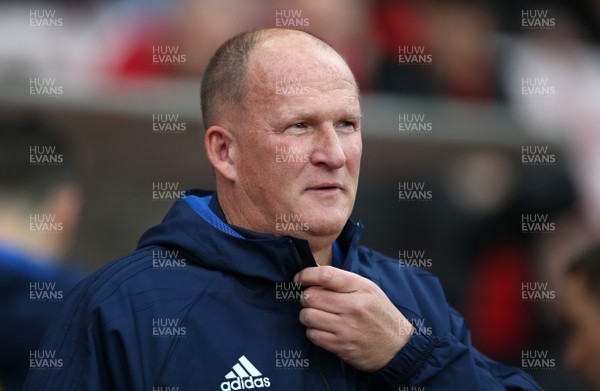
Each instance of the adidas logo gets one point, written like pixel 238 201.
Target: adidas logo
pixel 244 376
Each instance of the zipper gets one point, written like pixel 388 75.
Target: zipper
pixel 296 254
pixel 321 371
pixel 318 349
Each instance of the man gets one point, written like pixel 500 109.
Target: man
pixel 39 210
pixel 582 314
pixel 243 304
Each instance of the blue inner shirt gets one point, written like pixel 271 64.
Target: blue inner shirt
pixel 218 220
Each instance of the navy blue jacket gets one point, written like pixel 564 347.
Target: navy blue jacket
pixel 202 305
pixel 32 292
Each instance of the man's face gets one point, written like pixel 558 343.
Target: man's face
pixel 582 313
pixel 298 139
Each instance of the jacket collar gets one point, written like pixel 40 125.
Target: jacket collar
pixel 196 230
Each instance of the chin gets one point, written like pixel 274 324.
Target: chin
pixel 325 220
pixel 325 227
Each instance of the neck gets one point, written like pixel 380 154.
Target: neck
pixel 322 251
pixel 320 246
pixel 235 216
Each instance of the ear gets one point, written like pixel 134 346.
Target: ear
pixel 221 151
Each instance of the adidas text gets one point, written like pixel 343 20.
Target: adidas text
pixel 244 376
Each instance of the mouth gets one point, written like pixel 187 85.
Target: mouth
pixel 328 187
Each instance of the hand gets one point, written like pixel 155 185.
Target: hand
pixel 351 317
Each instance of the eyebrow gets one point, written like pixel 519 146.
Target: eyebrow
pixel 308 115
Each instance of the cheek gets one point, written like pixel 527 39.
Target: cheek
pixel 256 154
pixel 268 167
pixel 254 164
pixel 353 149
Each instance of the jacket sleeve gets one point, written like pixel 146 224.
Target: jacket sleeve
pixel 449 362
pixel 85 356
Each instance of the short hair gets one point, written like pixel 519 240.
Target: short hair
pixel 224 78
pixel 587 267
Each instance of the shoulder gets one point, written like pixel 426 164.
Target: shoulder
pixel 408 287
pixel 386 266
pixel 151 277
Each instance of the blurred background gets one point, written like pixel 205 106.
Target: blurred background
pixel 481 137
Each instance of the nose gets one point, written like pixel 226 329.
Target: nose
pixel 327 148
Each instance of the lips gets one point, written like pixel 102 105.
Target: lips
pixel 325 186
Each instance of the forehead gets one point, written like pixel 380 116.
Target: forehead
pixel 299 72
pixel 297 57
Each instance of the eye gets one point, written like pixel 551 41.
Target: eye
pixel 297 128
pixel 347 125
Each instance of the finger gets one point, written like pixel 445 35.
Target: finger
pixel 322 338
pixel 329 277
pixel 325 300
pixel 321 320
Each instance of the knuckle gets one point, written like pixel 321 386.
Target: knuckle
pixel 321 339
pixel 358 309
pixel 307 317
pixel 303 316
pixel 299 277
pixel 369 287
pixel 313 335
pixel 328 273
pixel 310 296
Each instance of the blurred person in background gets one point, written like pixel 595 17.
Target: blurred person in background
pixel 39 210
pixel 581 312
pixel 455 34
